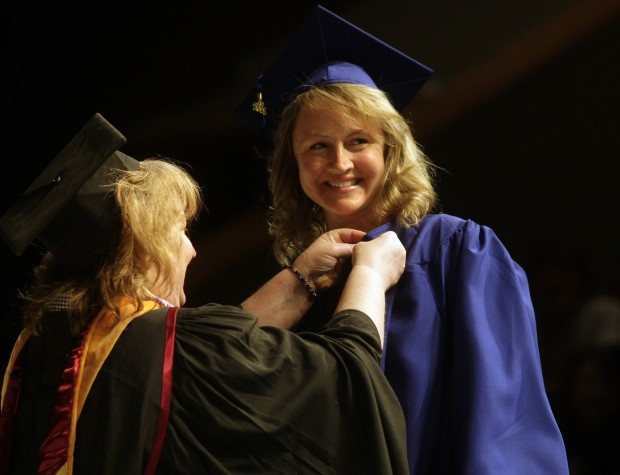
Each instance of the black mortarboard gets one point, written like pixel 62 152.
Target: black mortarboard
pixel 65 208
pixel 328 49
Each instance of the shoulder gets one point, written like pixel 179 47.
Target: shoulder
pixel 215 310
pixel 444 235
pixel 211 314
pixel 440 226
pixel 445 228
pixel 436 226
pixel 214 317
pixel 435 230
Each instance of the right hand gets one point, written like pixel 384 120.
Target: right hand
pixel 385 255
pixel 321 261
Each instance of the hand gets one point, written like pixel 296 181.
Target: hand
pixel 321 261
pixel 384 255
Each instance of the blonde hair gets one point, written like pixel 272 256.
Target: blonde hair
pixel 406 191
pixel 150 201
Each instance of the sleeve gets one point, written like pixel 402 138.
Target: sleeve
pixel 502 419
pixel 252 399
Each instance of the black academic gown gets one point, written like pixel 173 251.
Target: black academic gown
pixel 244 400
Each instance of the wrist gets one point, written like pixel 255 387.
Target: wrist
pixel 303 280
pixel 305 268
pixel 370 276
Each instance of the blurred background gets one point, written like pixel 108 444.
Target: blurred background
pixel 521 115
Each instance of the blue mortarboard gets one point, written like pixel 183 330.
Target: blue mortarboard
pixel 328 49
pixel 66 208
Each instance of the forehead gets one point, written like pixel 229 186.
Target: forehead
pixel 325 117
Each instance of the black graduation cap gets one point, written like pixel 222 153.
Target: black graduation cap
pixel 65 208
pixel 328 49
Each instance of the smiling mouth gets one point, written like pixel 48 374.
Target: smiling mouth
pixel 343 184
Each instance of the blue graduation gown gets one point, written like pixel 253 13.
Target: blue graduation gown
pixel 462 355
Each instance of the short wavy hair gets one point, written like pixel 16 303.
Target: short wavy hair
pixel 406 193
pixel 151 200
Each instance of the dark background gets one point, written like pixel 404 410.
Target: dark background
pixel 521 115
pixel 521 112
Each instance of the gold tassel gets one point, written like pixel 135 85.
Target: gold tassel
pixel 259 104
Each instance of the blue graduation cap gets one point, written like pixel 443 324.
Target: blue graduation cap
pixel 65 208
pixel 328 49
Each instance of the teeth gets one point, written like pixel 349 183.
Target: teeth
pixel 342 184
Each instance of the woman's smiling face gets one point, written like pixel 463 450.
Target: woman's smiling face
pixel 341 163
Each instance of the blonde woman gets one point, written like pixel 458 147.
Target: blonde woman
pixel 460 338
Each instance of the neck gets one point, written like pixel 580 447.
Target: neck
pixel 161 300
pixel 364 224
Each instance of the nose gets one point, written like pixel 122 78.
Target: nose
pixel 188 244
pixel 341 158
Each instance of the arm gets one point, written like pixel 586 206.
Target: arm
pixel 283 300
pixel 498 392
pixel 377 266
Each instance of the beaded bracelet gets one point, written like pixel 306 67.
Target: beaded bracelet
pixel 303 280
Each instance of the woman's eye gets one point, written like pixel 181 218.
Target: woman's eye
pixel 359 141
pixel 318 145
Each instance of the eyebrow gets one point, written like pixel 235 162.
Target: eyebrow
pixel 315 133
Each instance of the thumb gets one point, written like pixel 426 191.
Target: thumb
pixel 341 250
pixel 347 235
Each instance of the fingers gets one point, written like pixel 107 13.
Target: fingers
pixel 320 261
pixel 346 235
pixel 385 254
